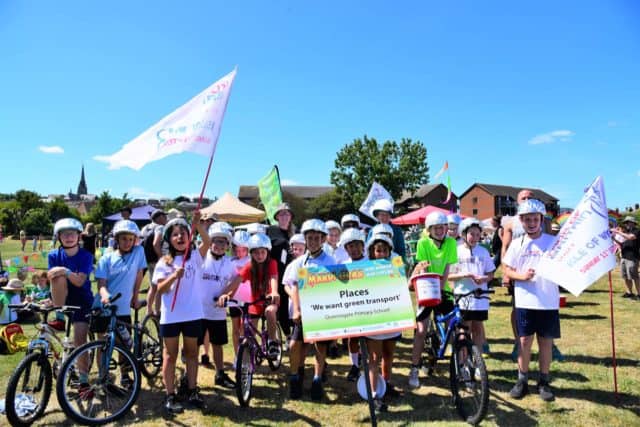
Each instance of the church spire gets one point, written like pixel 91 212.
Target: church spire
pixel 82 186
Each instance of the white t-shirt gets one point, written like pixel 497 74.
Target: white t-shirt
pixel 8 315
pixel 476 261
pixel 216 274
pixel 523 254
pixel 238 263
pixel 189 301
pixel 290 276
pixel 339 254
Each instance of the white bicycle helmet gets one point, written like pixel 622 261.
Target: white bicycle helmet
pixel 351 235
pixel 435 218
pixel 297 238
pixel 467 223
pixel 259 240
pixel 314 225
pixel 332 224
pixel 169 225
pixel 382 205
pixel 350 218
pixel 220 229
pixel 454 218
pixel 379 238
pixel 241 238
pixel 382 229
pixel 125 226
pixel 67 224
pixel 226 226
pixel 531 206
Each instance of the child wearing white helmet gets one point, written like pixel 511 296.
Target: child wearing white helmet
pixel 473 270
pixel 217 272
pixel 453 222
pixel 435 253
pixel 382 211
pixel 536 298
pixel 350 221
pixel 315 233
pixel 121 271
pixel 69 267
pixel 297 245
pixel 240 249
pixel 331 246
pixel 186 316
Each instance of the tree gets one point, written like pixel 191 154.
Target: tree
pixel 36 221
pixel 103 207
pixel 397 167
pixel 331 205
pixel 28 200
pixel 9 211
pixel 58 209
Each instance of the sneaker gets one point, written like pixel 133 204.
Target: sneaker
pixel 58 325
pixel 544 389
pixel 273 350
pixel 520 390
pixel 295 387
pixel 204 361
pixel 183 387
pixel 171 405
pixel 223 380
pixel 379 405
pixel 392 391
pixel 353 374
pixel 195 398
pixel 514 352
pixel 485 350
pixel 316 389
pixel 414 381
pixel 556 354
pixel 625 295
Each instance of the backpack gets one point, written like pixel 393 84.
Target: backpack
pixel 147 244
pixel 13 338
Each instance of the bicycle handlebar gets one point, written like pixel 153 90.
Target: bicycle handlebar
pixel 477 293
pixel 40 308
pixel 236 303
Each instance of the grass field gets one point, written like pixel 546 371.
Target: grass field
pixel 583 382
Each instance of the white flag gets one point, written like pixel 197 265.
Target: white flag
pixel 376 193
pixel 194 127
pixel 583 250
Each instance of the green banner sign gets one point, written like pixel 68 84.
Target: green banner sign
pixel 270 193
pixel 361 298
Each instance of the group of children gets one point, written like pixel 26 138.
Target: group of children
pixel 193 283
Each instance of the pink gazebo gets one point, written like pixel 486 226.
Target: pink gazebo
pixel 417 216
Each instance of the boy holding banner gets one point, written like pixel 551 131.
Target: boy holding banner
pixel 536 298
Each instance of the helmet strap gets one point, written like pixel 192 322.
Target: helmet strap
pixel 316 253
pixel 216 256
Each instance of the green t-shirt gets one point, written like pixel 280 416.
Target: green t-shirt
pixel 438 257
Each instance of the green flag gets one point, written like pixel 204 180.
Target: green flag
pixel 270 193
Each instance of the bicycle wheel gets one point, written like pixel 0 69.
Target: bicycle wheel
pixel 431 344
pixel 276 362
pixel 28 390
pixel 149 349
pixel 469 382
pixel 244 374
pixel 110 390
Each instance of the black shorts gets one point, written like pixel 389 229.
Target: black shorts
pixel 477 315
pixel 235 312
pixel 217 332
pixel 100 324
pixel 543 323
pixel 445 307
pixel 191 329
pixel 297 333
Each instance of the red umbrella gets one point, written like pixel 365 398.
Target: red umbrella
pixel 418 216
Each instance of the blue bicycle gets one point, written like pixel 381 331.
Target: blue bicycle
pixel 467 371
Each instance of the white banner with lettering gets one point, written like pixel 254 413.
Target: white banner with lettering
pixel 376 193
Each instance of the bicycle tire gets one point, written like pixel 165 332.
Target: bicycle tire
pixel 244 374
pixel 150 347
pixel 43 381
pixel 100 393
pixel 431 347
pixel 469 382
pixel 275 364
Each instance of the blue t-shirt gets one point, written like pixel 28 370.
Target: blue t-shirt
pixel 120 273
pixel 82 262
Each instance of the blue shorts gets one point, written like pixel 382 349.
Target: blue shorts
pixel 217 332
pixel 191 329
pixel 543 323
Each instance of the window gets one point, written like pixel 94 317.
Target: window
pixel 475 212
pixel 474 200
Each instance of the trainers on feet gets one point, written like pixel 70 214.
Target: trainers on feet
pixel 223 380
pixel 414 382
pixel 316 389
pixel 625 295
pixel 544 389
pixel 295 387
pixel 204 360
pixel 379 405
pixel 273 350
pixel 485 350
pixel 556 354
pixel 353 374
pixel 171 405
pixel 195 398
pixel 520 390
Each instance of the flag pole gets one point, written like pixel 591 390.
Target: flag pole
pixel 613 341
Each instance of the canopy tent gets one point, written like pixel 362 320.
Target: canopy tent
pixel 229 208
pixel 417 216
pixel 141 215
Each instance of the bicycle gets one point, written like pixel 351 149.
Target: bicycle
pixel 34 373
pixel 147 343
pixel 468 376
pixel 252 350
pixel 101 399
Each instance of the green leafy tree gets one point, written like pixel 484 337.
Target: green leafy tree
pixel 36 221
pixel 58 209
pixel 331 205
pixel 104 206
pixel 9 217
pixel 396 166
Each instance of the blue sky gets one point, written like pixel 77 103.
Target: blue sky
pixel 545 94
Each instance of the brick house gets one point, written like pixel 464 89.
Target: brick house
pixel 249 193
pixel 486 200
pixel 426 195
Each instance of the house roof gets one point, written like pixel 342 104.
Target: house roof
pixel 304 192
pixel 512 192
pixel 421 192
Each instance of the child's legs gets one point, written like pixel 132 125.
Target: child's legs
pixel 524 356
pixel 544 356
pixel 80 331
pixel 271 313
pixel 235 333
pixel 477 333
pixel 206 343
pixel 191 357
pixel 169 357
pixel 388 348
pixel 418 339
pixel 375 353
pixel 59 291
pixel 321 355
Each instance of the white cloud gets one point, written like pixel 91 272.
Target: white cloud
pixel 51 149
pixel 551 137
pixel 140 193
pixel 288 182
